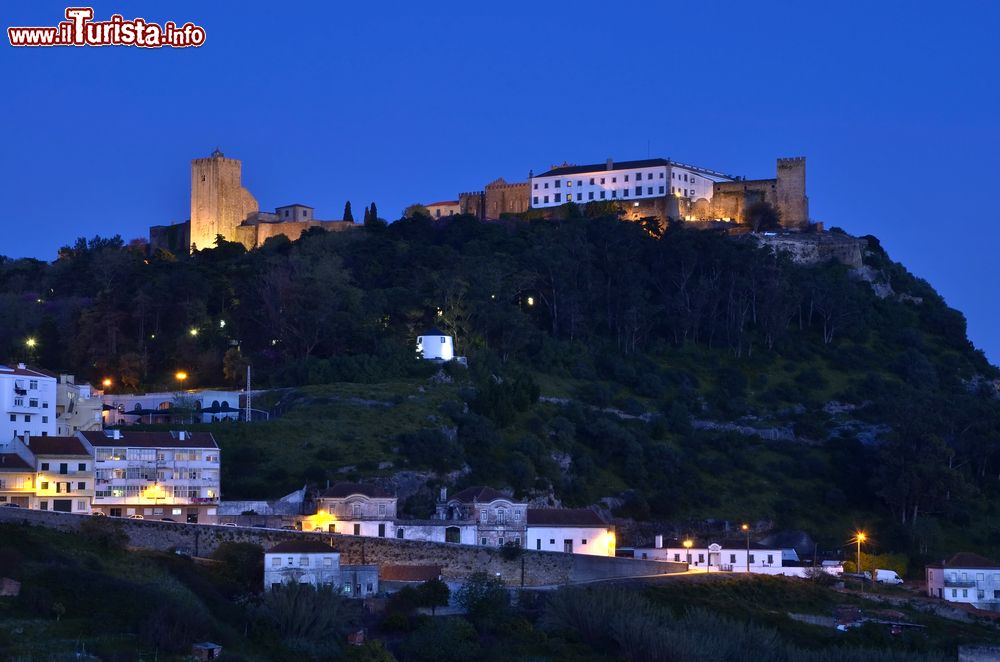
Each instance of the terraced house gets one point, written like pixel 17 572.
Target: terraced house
pixel 172 476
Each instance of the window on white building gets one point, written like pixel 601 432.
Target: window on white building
pixel 276 562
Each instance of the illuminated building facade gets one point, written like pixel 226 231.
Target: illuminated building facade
pixel 570 530
pixel 156 475
pixel 354 509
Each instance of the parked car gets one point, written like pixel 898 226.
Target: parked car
pixel 12 505
pixel 229 524
pixel 167 519
pixel 136 517
pixel 98 513
pixel 288 527
pixel 887 577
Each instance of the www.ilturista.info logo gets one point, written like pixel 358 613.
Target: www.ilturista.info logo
pixel 79 29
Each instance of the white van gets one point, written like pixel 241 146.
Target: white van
pixel 887 577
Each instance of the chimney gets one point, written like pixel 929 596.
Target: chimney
pixel 27 438
pixel 658 544
pixel 611 164
pixel 444 494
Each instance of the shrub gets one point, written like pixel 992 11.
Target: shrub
pixel 483 595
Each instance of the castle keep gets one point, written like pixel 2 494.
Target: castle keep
pixel 220 206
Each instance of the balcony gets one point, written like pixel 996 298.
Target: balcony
pixel 960 583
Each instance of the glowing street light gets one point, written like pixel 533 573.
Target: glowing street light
pixel 30 343
pixel 687 545
pixel 192 332
pixel 531 301
pixel 859 538
pixel 181 376
pixel 106 382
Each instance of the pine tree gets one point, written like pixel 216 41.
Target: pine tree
pixel 374 213
pixel 368 216
pixel 348 216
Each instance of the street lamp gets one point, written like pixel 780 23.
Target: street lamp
pixel 687 545
pixel 860 538
pixel 746 530
pixel 181 376
pixel 30 343
pixel 106 382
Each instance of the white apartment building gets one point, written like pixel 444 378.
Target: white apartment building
pixel 27 402
pixel 965 577
pixel 574 531
pixel 156 475
pixel 312 562
pixel 622 181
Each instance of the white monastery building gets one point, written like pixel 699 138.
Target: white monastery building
pixel 721 556
pixel 624 180
pixel 355 509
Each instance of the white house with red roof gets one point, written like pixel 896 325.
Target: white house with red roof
pixel 313 562
pixel 173 476
pixel 27 402
pixel 358 509
pixel 965 577
pixel 570 530
pixel 444 208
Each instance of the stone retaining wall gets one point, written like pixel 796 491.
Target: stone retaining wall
pixel 532 568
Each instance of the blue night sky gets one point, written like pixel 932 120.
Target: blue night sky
pixel 895 104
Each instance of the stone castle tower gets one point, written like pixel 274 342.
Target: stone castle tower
pixel 792 201
pixel 219 203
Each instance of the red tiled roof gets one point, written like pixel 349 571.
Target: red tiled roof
pixel 564 517
pixel 409 573
pixel 341 490
pixel 25 371
pixel 56 446
pixel 966 560
pixel 13 462
pixel 301 547
pixel 152 439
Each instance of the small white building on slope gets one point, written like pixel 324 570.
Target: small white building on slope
pixel 436 345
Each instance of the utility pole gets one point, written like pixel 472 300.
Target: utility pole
pixel 248 393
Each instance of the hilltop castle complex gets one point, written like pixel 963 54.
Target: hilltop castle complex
pixel 220 206
pixel 660 188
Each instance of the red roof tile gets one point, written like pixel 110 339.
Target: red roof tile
pixel 13 462
pixel 301 547
pixel 564 517
pixel 56 446
pixel 409 573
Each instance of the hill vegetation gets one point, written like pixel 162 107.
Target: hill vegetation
pixel 685 376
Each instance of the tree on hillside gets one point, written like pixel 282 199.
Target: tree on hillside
pixel 763 217
pixel 416 209
pixel 348 216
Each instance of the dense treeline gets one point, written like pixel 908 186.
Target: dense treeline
pixel 586 298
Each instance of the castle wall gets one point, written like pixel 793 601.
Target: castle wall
pixel 505 198
pixel 219 203
pixel 456 561
pixel 787 193
pixel 293 230
pixel 175 238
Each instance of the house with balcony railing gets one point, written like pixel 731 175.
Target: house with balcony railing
pixel 27 402
pixel 172 476
pixel 967 578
